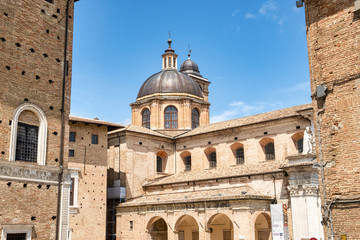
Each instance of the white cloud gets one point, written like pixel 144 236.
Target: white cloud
pixel 268 7
pixel 250 16
pixel 240 109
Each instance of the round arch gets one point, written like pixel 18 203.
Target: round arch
pixel 262 227
pixel 187 228
pixel 42 134
pixel 157 228
pixel 220 227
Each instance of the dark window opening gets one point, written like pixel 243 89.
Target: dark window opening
pixel 131 225
pixel 269 151
pixel 94 139
pixel 146 118
pixel 195 118
pixel 171 117
pixel 188 163
pixel 71 203
pixel 159 164
pixel 240 159
pixel 71 153
pixel 27 142
pixel 169 61
pixel 212 160
pixel 16 236
pixel 72 136
pixel 300 144
pixel 50 1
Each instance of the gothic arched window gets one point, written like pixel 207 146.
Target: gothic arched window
pixel 171 117
pixel 146 118
pixel 195 118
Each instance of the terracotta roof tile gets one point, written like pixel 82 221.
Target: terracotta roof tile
pixel 220 172
pixel 268 116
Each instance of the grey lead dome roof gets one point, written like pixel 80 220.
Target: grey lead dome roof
pixel 189 66
pixel 169 81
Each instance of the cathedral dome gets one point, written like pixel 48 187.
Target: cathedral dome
pixel 189 66
pixel 169 81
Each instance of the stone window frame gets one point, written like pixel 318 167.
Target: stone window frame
pixel 186 156
pixel 163 162
pixel 234 148
pixel 42 134
pixel 74 174
pixel 195 113
pixel 264 144
pixel 72 136
pixel 171 109
pixel 17 228
pixel 296 137
pixel 212 160
pixel 147 122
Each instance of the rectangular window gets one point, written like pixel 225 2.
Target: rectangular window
pixel 131 225
pixel 16 236
pixel 72 136
pixel 94 139
pixel 27 142
pixel 72 192
pixel 50 1
pixel 71 153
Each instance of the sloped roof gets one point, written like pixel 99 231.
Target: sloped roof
pixel 234 193
pixel 96 121
pixel 139 129
pixel 258 118
pixel 220 172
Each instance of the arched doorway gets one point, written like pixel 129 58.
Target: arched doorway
pixel 187 228
pixel 220 227
pixel 263 227
pixel 157 229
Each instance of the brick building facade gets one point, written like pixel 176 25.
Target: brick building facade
pixel 333 30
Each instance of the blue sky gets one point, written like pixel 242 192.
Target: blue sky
pixel 254 53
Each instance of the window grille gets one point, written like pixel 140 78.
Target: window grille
pixel 72 136
pixel 146 118
pixel 16 236
pixel 300 145
pixel 94 139
pixel 212 160
pixel 27 142
pixel 171 117
pixel 195 118
pixel 240 159
pixel 158 164
pixel 188 163
pixel 270 151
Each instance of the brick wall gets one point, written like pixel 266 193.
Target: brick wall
pixel 333 30
pixel 31 69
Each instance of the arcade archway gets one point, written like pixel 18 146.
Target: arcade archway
pixel 263 227
pixel 187 228
pixel 157 229
pixel 220 227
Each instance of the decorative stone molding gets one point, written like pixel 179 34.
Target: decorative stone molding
pixel 27 172
pixel 42 135
pixel 311 189
pixel 17 228
pixel 294 190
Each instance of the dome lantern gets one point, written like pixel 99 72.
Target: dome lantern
pixel 169 58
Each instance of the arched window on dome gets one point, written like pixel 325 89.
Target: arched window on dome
pixel 195 118
pixel 146 118
pixel 171 117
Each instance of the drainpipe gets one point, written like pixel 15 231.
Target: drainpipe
pixel 62 134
